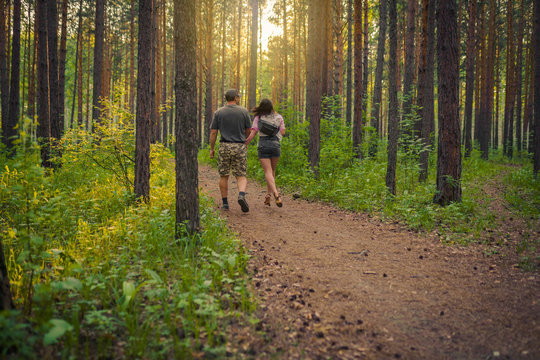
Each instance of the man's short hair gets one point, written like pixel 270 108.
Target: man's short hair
pixel 231 94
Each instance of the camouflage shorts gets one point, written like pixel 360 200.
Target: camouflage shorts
pixel 232 156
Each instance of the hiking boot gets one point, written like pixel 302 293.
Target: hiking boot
pixel 279 202
pixel 243 203
pixel 225 207
pixel 267 200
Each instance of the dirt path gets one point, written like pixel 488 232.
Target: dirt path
pixel 335 284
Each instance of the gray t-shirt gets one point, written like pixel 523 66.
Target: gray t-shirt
pixel 232 122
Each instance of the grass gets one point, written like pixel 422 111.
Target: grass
pixel 96 274
pixel 359 185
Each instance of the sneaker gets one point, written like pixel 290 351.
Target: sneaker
pixel 279 202
pixel 267 200
pixel 243 203
pixel 225 207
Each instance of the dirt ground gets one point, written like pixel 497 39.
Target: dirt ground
pixel 341 285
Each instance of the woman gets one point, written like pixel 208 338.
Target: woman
pixel 269 148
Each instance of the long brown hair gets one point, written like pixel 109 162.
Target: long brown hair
pixel 265 108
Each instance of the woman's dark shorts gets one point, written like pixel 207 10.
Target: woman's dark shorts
pixel 269 147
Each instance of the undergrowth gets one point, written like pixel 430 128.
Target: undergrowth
pixel 96 274
pixel 359 185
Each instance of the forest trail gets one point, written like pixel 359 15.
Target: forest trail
pixel 337 284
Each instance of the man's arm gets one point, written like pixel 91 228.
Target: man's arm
pixel 213 137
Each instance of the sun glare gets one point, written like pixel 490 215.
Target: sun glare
pixel 268 29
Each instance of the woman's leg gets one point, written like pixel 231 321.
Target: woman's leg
pixel 274 162
pixel 269 175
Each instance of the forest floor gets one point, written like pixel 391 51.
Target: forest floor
pixel 337 284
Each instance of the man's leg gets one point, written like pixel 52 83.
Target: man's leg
pixel 224 186
pixel 241 181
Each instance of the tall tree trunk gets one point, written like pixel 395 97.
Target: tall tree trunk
pixel 77 82
pixel 285 85
pixel 426 84
pixel 62 66
pixel 469 82
pixel 4 72
pixel 14 95
pixel 154 115
pixel 52 44
pixel 44 126
pixel 32 82
pixel 144 105
pixel 536 121
pixel 508 134
pixel 358 76
pixel 365 58
pixel 449 150
pixel 486 105
pixel 349 61
pixel 393 111
pixel 313 81
pixel 519 76
pixel 99 38
pixel 165 131
pixel 187 192
pixel 209 67
pixel 377 86
pixel 6 302
pixel 409 66
pixel 529 95
pixel 480 73
pixel 238 43
pixel 495 143
pixel 132 57
pixel 253 60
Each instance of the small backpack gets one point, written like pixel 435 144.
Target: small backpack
pixel 267 128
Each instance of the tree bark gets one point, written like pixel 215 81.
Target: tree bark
pixel 4 73
pixel 209 111
pixel 508 133
pixel 426 84
pixel 99 38
pixel 393 111
pixel 6 302
pixel 409 66
pixel 358 77
pixel 365 62
pixel 519 76
pixel 164 122
pixel 469 82
pixel 377 86
pixel 187 192
pixel 14 96
pixel 77 82
pixel 313 80
pixel 536 119
pixel 449 149
pixel 348 112
pixel 253 59
pixel 144 105
pixel 44 126
pixel 132 57
pixel 62 66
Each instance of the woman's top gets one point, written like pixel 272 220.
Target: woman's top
pixel 275 119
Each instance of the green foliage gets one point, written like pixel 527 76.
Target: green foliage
pixel 359 185
pixel 98 274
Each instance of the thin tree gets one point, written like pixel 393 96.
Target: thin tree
pixel 165 129
pixel 379 67
pixel 409 66
pixel 78 73
pixel 508 131
pixel 99 38
pixel 365 62
pixel 313 81
pixel 6 302
pixel 187 192
pixel 519 75
pixel 144 105
pixel 132 56
pixel 348 111
pixel 449 149
pixel 393 112
pixel 62 65
pixel 209 68
pixel 469 77
pixel 253 58
pixel 426 84
pixel 44 126
pixel 358 75
pixel 4 74
pixel 14 96
pixel 536 118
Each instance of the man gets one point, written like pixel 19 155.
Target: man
pixel 234 124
